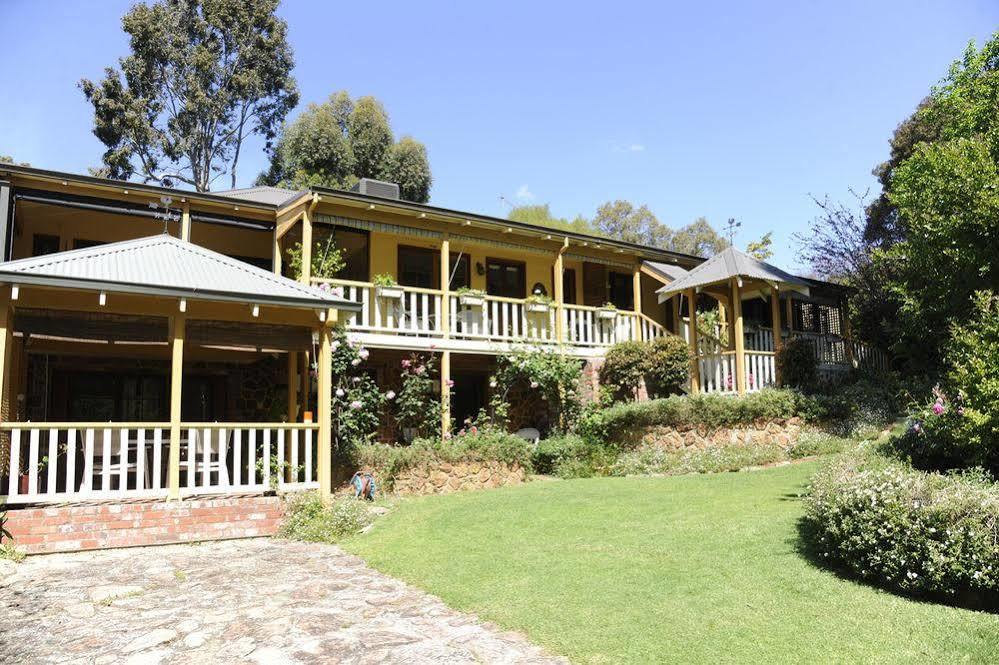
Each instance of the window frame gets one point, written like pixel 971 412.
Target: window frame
pixel 521 266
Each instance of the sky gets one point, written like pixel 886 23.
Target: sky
pixel 741 109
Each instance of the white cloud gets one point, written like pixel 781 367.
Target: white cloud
pixel 629 147
pixel 636 147
pixel 524 193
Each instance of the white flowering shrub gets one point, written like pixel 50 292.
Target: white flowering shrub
pixel 308 518
pixel 911 531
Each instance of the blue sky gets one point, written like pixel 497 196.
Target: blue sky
pixel 740 109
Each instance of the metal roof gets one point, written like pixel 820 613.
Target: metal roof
pixel 727 264
pixel 275 196
pixel 670 271
pixel 167 266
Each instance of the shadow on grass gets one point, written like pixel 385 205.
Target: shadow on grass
pixel 806 545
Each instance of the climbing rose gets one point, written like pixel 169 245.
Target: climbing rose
pixel 364 353
pixel 390 394
pixel 340 392
pixel 938 408
pixel 406 363
pixel 356 404
pixel 355 362
pixel 450 383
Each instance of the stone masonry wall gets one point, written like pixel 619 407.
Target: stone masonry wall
pixel 785 433
pixel 99 526
pixel 446 478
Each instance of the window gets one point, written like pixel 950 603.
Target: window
pixel 506 278
pixel 79 243
pixel 569 286
pixel 353 246
pixel 42 244
pixel 416 266
pixel 461 272
pixel 621 290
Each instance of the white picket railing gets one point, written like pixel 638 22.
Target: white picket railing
pixel 500 319
pixel 717 372
pixel 401 310
pixel 58 462
pixel 761 370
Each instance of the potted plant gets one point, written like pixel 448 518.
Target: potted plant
pixel 607 311
pixel 539 303
pixel 387 287
pixel 472 297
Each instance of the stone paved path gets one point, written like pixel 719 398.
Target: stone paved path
pixel 248 601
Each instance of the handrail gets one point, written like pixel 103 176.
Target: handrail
pixel 372 285
pixel 41 424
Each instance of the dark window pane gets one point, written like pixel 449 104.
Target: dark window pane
pixel 461 274
pixel 569 286
pixel 505 278
pixel 416 267
pixel 353 246
pixel 622 292
pixel 42 244
pixel 80 243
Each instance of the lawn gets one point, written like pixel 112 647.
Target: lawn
pixel 691 568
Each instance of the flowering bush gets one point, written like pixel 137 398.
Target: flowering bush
pixel 417 406
pixel 912 531
pixel 356 398
pixel 551 377
pixel 308 518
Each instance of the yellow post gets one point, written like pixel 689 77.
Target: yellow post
pixel 675 304
pixel 292 386
pixel 636 291
pixel 6 345
pixel 558 289
pixel 306 276
pixel 324 397
pixel 445 392
pixel 185 222
pixel 775 323
pixel 276 254
pixel 178 325
pixel 740 341
pixel 695 366
pixel 446 286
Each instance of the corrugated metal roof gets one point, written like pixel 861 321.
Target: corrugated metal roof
pixel 668 270
pixel 728 264
pixel 168 266
pixel 275 196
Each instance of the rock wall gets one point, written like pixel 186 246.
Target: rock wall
pixel 446 477
pixel 785 433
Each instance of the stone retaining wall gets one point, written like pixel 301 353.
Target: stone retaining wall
pixel 446 478
pixel 72 528
pixel 785 433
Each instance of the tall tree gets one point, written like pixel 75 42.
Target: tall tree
pixel 336 143
pixel 541 215
pixel 763 248
pixel 202 76
pixel 698 238
pixel 623 221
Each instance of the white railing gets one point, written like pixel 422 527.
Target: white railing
pixel 593 326
pixel 761 370
pixel 717 372
pixel 401 310
pixel 500 319
pixel 59 462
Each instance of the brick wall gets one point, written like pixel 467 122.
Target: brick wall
pixel 99 526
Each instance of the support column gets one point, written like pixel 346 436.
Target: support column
pixel 292 386
pixel 675 304
pixel 276 254
pixel 636 297
pixel 558 290
pixel 847 329
pixel 775 324
pixel 740 340
pixel 324 399
pixel 8 400
pixel 446 285
pixel 306 276
pixel 445 392
pixel 185 222
pixel 178 326
pixel 695 364
pixel 305 373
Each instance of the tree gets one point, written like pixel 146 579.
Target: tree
pixel 7 159
pixel 202 76
pixel 763 248
pixel 541 215
pixel 623 221
pixel 336 143
pixel 697 239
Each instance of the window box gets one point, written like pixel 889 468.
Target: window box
pixel 389 292
pixel 472 299
pixel 538 307
pixel 606 314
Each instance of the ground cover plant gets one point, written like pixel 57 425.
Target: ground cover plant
pixel 697 568
pixel 308 518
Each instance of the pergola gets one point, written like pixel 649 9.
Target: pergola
pixel 157 282
pixel 732 275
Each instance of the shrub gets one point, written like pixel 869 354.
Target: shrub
pixel 811 444
pixel 657 461
pixel 356 398
pixel 667 365
pixel 796 364
pixel 551 377
pixel 624 366
pixel 911 531
pixel 862 406
pixel 623 424
pixel 308 518
pixel 417 407
pixel 572 456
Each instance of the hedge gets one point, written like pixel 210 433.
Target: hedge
pixel 919 533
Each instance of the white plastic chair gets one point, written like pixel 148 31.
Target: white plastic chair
pixel 216 459
pixel 529 434
pixel 120 446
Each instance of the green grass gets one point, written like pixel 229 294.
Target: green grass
pixel 692 568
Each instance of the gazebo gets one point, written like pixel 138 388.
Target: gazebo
pixel 730 277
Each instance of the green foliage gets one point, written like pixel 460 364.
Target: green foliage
pixel 541 215
pixel 336 143
pixel 201 77
pixel 861 406
pixel 667 365
pixel 763 248
pixel 624 367
pixel 551 377
pixel 417 405
pixel 327 259
pixel 384 279
pixel 911 531
pixel 715 459
pixel 973 353
pixel 796 364
pixel 572 456
pixel 698 238
pixel 813 444
pixel 307 518
pixel 357 401
pixel 623 221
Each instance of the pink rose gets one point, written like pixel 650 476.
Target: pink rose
pixel 356 404
pixel 938 408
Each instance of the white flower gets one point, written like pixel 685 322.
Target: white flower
pixel 364 353
pixel 355 362
pixel 390 394
pixel 340 392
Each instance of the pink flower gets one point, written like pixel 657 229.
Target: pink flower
pixel 338 291
pixel 450 383
pixel 355 362
pixel 340 392
pixel 461 432
pixel 916 428
pixel 406 363
pixel 356 404
pixel 938 408
pixel 474 429
pixel 421 369
pixel 364 353
pixel 960 410
pixel 447 435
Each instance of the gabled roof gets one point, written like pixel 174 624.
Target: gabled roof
pixel 670 271
pixel 730 263
pixel 275 196
pixel 166 266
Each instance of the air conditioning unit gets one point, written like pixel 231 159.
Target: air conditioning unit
pixel 379 188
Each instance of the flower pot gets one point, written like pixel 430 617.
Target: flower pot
pixel 606 314
pixel 537 307
pixel 389 292
pixel 472 300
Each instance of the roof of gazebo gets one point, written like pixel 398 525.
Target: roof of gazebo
pixel 725 265
pixel 166 266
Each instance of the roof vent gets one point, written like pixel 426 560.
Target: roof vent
pixel 379 188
